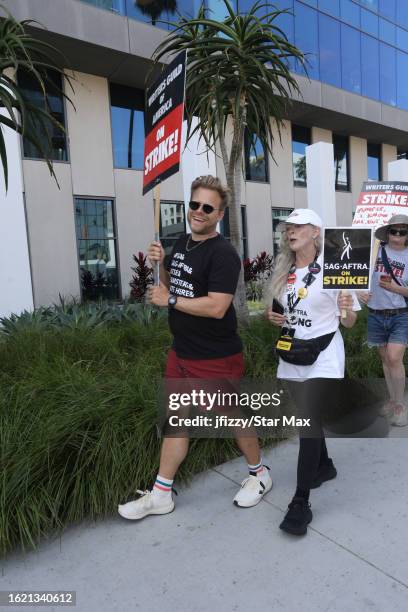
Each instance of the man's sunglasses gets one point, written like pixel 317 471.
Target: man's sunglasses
pixel 398 232
pixel 207 208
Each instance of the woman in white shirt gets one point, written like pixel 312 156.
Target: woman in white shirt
pixel 388 312
pixel 309 313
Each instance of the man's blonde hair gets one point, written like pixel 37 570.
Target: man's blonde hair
pixel 214 183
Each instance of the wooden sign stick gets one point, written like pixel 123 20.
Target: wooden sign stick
pixel 156 195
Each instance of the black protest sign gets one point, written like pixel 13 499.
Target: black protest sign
pixel 163 123
pixel 346 258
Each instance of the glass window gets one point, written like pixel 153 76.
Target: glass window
pixel 301 138
pixel 373 162
pixel 372 4
pixel 282 4
pixel 402 13
pixel 244 6
pixel 388 81
pixel 96 240
pixel 278 215
pixel 218 10
pixel 54 139
pixel 369 22
pixel 117 6
pixel 329 39
pixel 172 223
pixel 285 22
pixel 225 229
pixel 350 59
pixel 306 38
pixel 402 80
pixel 341 162
pixel 330 6
pixel 256 160
pixel 311 2
pixel 370 78
pixel 388 9
pixel 387 31
pixel 402 39
pixel 350 12
pixel 127 126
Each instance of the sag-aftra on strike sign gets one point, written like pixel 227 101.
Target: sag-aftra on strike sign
pixel 163 123
pixel 346 258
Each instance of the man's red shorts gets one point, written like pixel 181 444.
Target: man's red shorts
pixel 231 367
pixel 185 376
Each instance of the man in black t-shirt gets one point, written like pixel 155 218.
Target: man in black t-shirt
pixel 198 287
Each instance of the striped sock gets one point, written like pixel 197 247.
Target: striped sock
pixel 256 470
pixel 162 486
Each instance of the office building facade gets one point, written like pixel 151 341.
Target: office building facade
pixel 82 235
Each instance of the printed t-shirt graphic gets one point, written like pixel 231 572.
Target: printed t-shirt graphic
pixel 382 299
pixel 212 266
pixel 315 315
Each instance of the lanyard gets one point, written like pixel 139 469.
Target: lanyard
pixel 314 268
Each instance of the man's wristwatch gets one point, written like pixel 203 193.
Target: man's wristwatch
pixel 172 301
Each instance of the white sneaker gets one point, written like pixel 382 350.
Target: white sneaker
pixel 146 504
pixel 387 410
pixel 400 418
pixel 252 490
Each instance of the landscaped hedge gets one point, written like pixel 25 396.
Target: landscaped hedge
pixel 78 411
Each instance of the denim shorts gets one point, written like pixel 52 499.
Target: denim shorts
pixel 385 329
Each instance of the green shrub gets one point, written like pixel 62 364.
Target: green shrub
pixel 78 400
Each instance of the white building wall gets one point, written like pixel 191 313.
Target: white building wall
pixel 15 276
pixel 389 154
pixel 90 141
pixel 51 229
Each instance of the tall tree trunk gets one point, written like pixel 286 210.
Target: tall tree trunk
pixel 232 165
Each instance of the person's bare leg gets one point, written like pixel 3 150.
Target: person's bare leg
pixel 172 454
pixel 396 369
pixel 382 350
pixel 249 446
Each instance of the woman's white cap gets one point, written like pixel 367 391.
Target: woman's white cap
pixel 301 216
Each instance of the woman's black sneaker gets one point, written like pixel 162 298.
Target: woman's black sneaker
pixel 298 516
pixel 325 472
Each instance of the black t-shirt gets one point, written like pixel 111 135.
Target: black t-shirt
pixel 209 266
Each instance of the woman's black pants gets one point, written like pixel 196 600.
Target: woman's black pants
pixel 310 398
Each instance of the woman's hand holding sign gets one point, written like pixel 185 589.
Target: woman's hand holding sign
pixel 275 318
pixel 345 305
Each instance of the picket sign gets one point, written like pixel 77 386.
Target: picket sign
pixel 321 192
pixel 163 119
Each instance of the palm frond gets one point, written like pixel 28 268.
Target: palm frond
pixel 20 52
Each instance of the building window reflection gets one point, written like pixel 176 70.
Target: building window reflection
pixel 301 138
pixel 97 251
pixel 225 229
pixel 368 58
pixel 54 140
pixel 341 162
pixel 127 126
pixel 256 159
pixel 172 223
pixel 373 161
pixel 278 215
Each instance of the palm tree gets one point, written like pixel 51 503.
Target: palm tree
pixel 237 77
pixel 20 52
pixel 155 8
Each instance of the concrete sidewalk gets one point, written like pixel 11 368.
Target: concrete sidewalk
pixel 209 555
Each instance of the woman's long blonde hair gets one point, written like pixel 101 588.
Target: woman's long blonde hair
pixel 285 259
